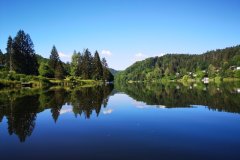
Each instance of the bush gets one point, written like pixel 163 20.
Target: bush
pixel 237 74
pixel 186 77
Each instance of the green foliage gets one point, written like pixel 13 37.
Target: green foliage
pixel 237 74
pixel 105 69
pixel 113 71
pixel 56 65
pixel 87 67
pixel 211 71
pixel 59 71
pixel 186 78
pixel 21 58
pixel 54 58
pixel 45 71
pixel 175 66
pixel 22 55
pixel 97 67
pixel 2 58
pixel 75 64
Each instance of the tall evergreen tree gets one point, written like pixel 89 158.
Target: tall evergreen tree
pixel 97 67
pixel 80 65
pixel 54 58
pixel 87 65
pixel 24 59
pixel 9 53
pixel 105 69
pixel 2 59
pixel 59 71
pixel 55 64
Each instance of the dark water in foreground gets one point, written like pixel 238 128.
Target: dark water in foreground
pixel 134 121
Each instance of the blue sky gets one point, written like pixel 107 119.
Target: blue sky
pixel 123 31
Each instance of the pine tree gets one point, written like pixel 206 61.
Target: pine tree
pixel 87 65
pixel 55 64
pixel 9 53
pixel 97 67
pixel 80 65
pixel 23 57
pixel 1 58
pixel 59 71
pixel 105 69
pixel 54 58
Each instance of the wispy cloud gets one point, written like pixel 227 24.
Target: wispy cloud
pixel 106 53
pixel 108 111
pixel 159 55
pixel 139 56
pixel 64 57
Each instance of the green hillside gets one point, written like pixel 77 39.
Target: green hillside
pixel 220 63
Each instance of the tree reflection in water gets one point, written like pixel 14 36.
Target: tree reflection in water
pixel 21 107
pixel 220 97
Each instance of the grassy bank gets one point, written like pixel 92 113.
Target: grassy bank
pixel 190 80
pixel 13 80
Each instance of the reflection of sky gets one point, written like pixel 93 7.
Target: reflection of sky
pixel 142 105
pixel 107 111
pixel 197 131
pixel 66 109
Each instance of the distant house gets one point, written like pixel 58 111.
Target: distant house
pixel 238 90
pixel 205 80
pixel 232 67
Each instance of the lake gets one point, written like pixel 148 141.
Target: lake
pixel 126 121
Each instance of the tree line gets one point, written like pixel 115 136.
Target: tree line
pixel 20 57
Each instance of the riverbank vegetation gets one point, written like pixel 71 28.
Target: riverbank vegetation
pixel 21 65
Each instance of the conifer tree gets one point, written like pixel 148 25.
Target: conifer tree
pixel 9 54
pixel 59 71
pixel 105 69
pixel 97 67
pixel 55 64
pixel 2 60
pixel 87 65
pixel 54 58
pixel 23 57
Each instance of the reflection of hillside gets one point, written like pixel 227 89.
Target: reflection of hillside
pixel 21 107
pixel 221 98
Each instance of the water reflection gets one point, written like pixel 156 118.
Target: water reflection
pixel 21 107
pixel 220 97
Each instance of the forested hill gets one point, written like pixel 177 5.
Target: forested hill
pixel 113 71
pixel 217 63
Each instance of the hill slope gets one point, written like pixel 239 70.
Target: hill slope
pixel 113 71
pixel 220 62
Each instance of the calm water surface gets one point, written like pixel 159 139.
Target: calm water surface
pixel 134 121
